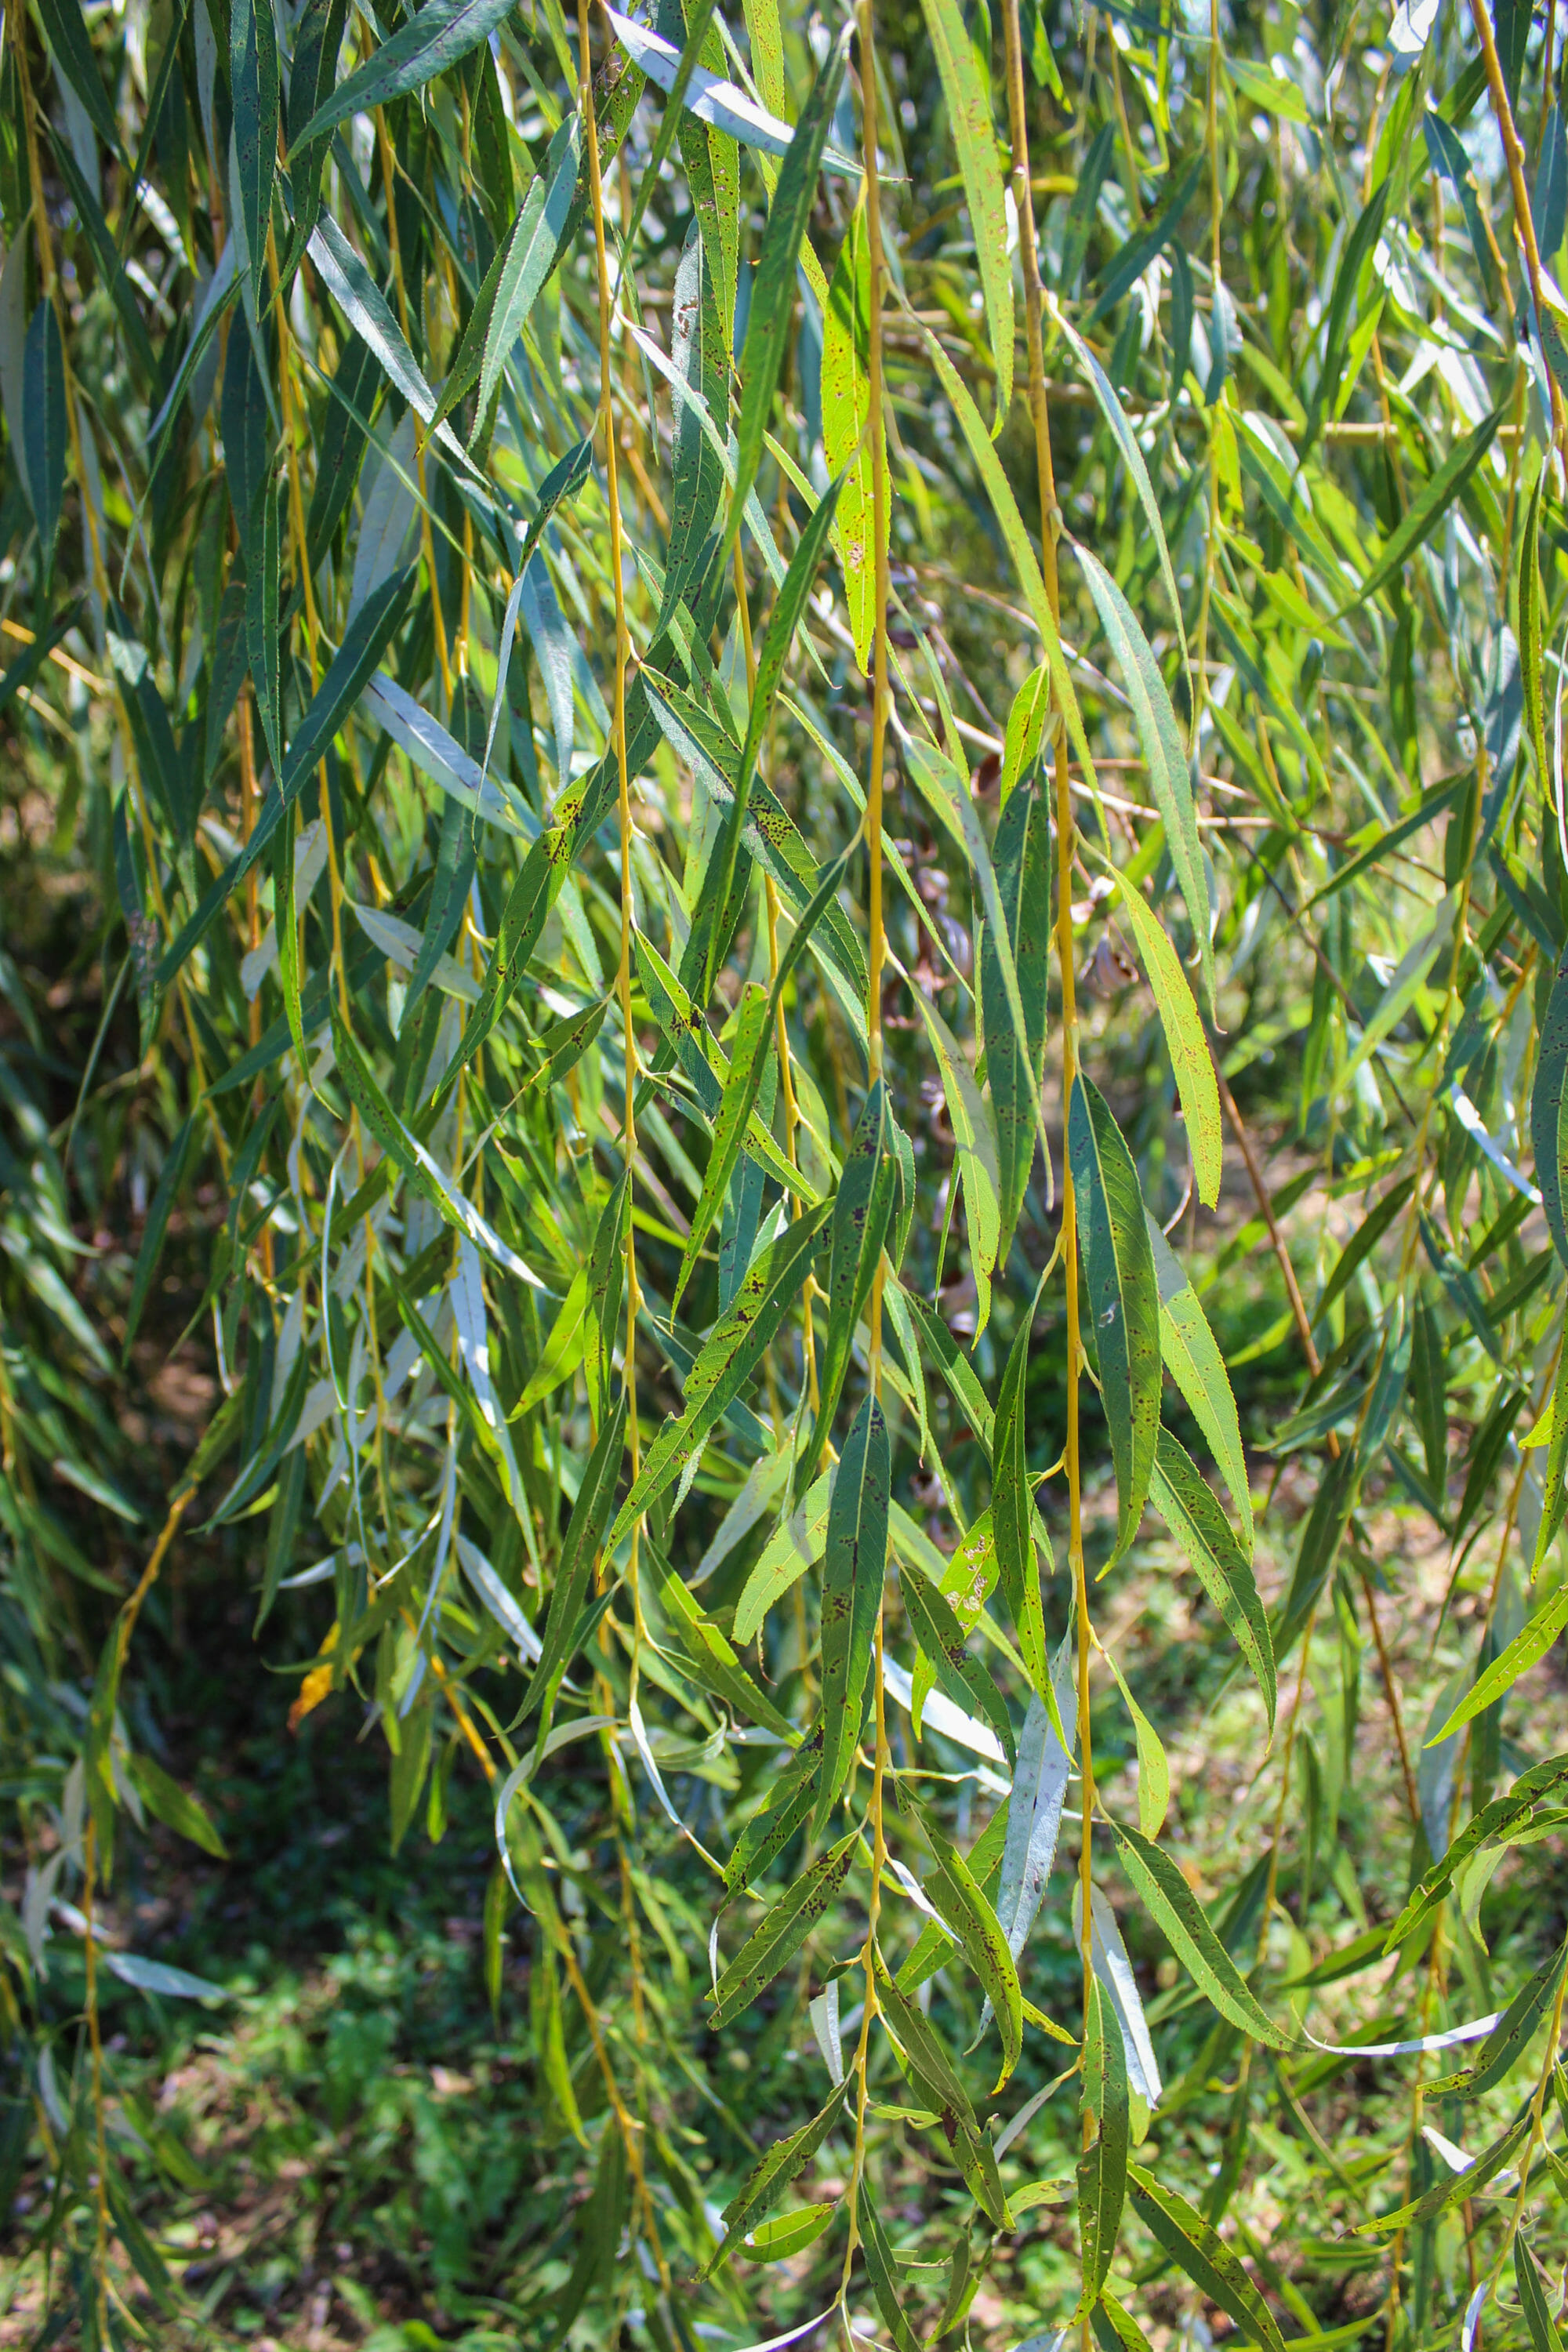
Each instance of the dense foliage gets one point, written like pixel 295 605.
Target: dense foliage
pixel 659 790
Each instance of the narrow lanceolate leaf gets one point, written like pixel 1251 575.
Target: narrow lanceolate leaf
pixel 852 1572
pixel 44 431
pixel 1175 1910
pixel 1189 1354
pixel 770 2176
pixel 771 315
pixel 1035 1811
pixel 65 27
pixel 1102 2168
pixel 1123 1300
pixel 1208 2261
pixel 253 82
pixel 862 1211
pixel 781 1933
pixel 752 1038
pixel 1427 510
pixel 1184 1041
pixel 727 1359
pixel 1186 1502
pixel 1548 1126
pixel 1512 2035
pixel 1541 1783
pixel 1448 2193
pixel 263 564
pixel 1532 2302
pixel 1133 457
pixel 1165 759
pixel 1531 649
pixel 882 2272
pixel 957 1896
pixel 530 255
pixel 974 1134
pixel 434 37
pixel 940 2083
pixel 585 1535
pixel 1013 1507
pixel 169 1178
pixel 310 78
pixel 286 926
pixel 963 1678
pixel 1524 1652
pixel 974 137
pixel 1014 1068
pixel 847 424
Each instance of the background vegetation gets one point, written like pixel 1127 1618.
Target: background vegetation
pixel 715 874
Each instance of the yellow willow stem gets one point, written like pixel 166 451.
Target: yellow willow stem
pixel 875 957
pixel 624 979
pixel 1050 525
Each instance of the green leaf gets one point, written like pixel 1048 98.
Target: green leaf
pixel 70 45
pixel 1184 1501
pixel 1177 1913
pixel 957 1896
pixel 713 1663
pixel 1538 2319
pixel 1184 1041
pixel 286 923
pixel 753 1036
pixel 853 1571
pixel 1102 2168
pixel 1556 1496
pixel 1189 1354
pixel 1004 506
pixel 44 440
pixel 786 2234
pixel 1014 1068
pixel 1426 511
pixel 579 1551
pixel 975 1138
pixel 1134 256
pixel 253 85
pixel 727 1359
pixel 1165 759
pixel 562 1350
pixel 781 1934
pixel 879 2270
pixel 530 255
pixel 1012 1506
pixel 1457 2187
pixel 862 1211
pixel 1214 2270
pixel 1356 252
pixel 845 420
pixel 171 1176
pixel 1133 457
pixel 163 1795
pixel 975 136
pixel 1526 1650
pixel 1547 1125
pixel 939 2080
pixel 771 318
pixel 1511 2037
pixel 940 1636
pixel 436 36
pixel 770 2176
pixel 311 76
pixel 1153 1767
pixel 1123 1301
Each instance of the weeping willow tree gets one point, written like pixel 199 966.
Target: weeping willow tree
pixel 700 687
